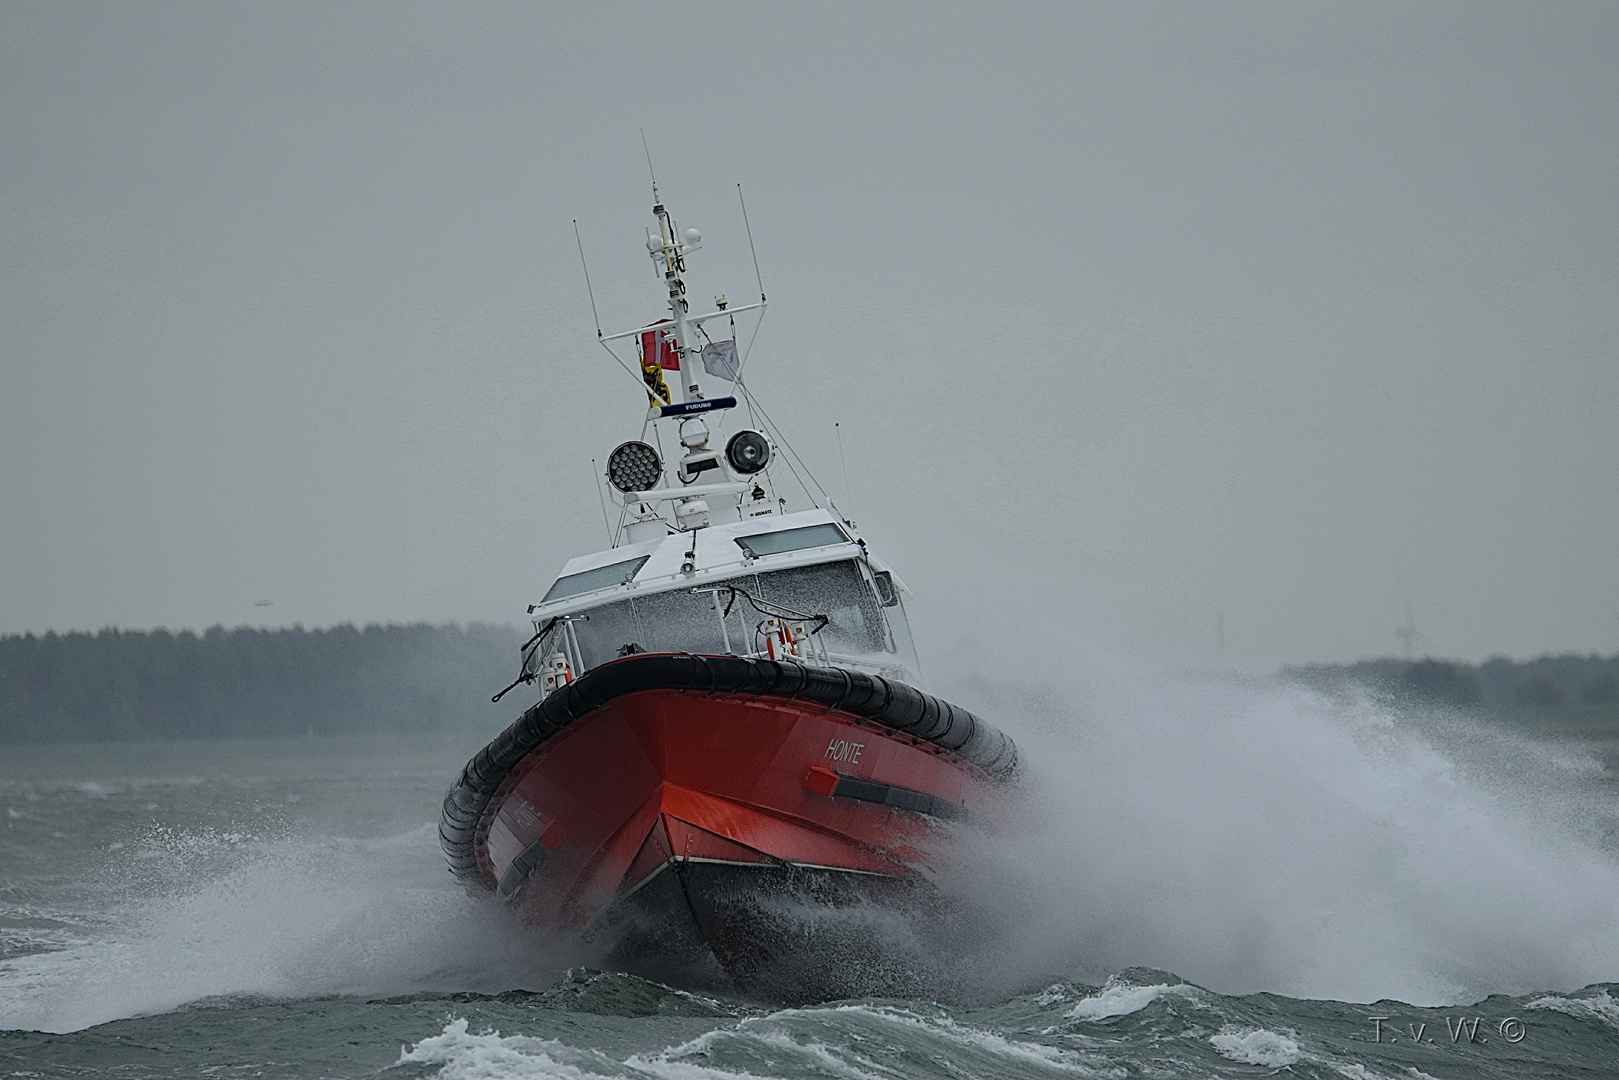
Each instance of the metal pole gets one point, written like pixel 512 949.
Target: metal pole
pixel 725 633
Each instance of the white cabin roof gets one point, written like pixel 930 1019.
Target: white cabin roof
pixel 715 555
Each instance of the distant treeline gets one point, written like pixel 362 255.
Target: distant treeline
pixel 245 683
pixel 1549 682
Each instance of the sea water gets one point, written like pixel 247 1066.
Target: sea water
pixel 1204 875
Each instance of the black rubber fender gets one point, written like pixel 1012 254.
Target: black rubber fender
pixel 894 705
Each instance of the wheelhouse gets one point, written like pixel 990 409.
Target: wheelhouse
pixel 797 585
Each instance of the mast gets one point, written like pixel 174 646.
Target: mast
pixel 700 466
pixel 670 254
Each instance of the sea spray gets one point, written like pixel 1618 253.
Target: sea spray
pixel 1251 835
pixel 231 901
pixel 1238 833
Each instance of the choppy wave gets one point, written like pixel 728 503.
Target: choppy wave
pixel 1121 998
pixel 595 1024
pixel 1168 1029
pixel 1599 1005
pixel 1281 852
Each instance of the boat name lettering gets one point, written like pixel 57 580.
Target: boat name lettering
pixel 839 750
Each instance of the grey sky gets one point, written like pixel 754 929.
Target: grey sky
pixel 1147 315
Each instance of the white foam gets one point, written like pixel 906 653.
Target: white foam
pixel 1054 994
pixel 811 1056
pixel 282 919
pixel 1119 1000
pixel 492 1056
pixel 830 1040
pixel 945 1028
pixel 1257 1046
pixel 1599 1007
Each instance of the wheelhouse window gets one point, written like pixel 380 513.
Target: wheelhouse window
pixel 775 543
pixel 589 580
pixel 727 616
pixel 836 590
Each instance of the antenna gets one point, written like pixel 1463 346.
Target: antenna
pixel 743 362
pixel 588 290
pixel 749 228
pixel 839 431
pixel 592 294
pixel 596 475
pixel 649 168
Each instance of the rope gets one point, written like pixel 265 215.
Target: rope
pixel 530 647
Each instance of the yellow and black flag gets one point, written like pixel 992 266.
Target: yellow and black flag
pixel 657 355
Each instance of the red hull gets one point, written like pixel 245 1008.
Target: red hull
pixel 661 777
pixel 756 782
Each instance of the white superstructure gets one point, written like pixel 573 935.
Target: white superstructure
pixel 705 557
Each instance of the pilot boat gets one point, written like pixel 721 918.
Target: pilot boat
pixel 731 731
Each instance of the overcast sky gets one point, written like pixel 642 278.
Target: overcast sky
pixel 1271 316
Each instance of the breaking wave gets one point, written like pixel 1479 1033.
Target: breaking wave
pixel 1253 835
pixel 1247 834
